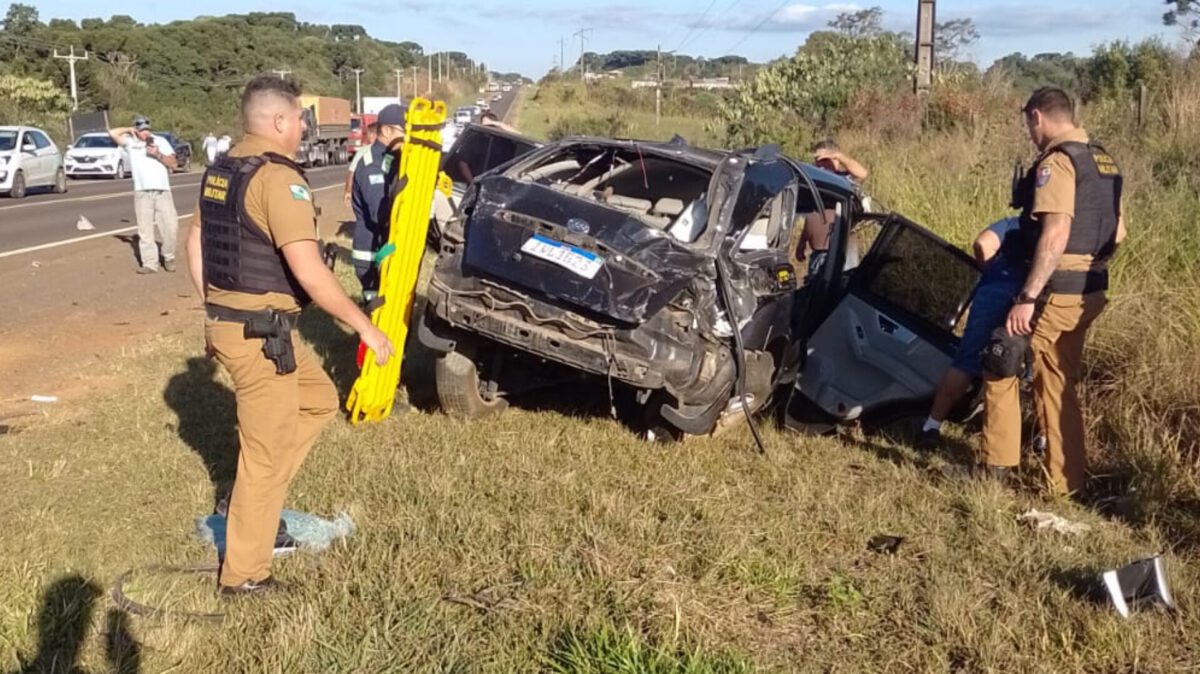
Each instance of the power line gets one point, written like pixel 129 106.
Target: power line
pixel 694 25
pixel 762 23
pixel 714 21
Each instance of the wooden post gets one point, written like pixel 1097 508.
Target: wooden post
pixel 1141 105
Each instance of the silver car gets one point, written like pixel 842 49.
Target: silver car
pixel 28 158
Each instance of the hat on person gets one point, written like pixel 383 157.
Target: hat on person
pixel 391 115
pixel 140 123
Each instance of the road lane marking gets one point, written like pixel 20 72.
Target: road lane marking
pixel 110 232
pixel 95 197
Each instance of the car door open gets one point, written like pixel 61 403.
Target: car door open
pixel 891 333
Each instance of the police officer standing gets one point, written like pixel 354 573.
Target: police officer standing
pixel 254 259
pixel 1070 226
pixel 370 196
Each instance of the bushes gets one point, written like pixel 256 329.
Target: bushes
pixel 611 125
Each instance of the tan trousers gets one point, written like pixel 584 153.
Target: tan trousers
pixel 279 418
pixel 1057 345
pixel 150 208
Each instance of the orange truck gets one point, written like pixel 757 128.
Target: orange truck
pixel 327 139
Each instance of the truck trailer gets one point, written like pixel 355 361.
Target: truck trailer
pixel 327 138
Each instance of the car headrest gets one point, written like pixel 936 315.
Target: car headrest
pixel 668 206
pixel 631 203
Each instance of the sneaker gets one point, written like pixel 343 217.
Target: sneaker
pixel 147 270
pixel 169 266
pixel 251 588
pixel 928 439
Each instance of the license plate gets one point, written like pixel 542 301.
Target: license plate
pixel 575 260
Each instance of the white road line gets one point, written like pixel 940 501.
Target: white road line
pixel 94 197
pixel 111 232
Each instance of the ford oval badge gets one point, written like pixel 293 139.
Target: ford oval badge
pixel 578 226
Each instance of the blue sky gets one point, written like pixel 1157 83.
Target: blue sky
pixel 523 35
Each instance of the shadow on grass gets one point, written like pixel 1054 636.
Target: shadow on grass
pixel 64 620
pixel 1083 583
pixel 207 412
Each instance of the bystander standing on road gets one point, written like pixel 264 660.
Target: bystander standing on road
pixel 254 258
pixel 151 160
pixel 209 146
pixel 223 145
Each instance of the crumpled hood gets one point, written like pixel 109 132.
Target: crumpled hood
pixel 643 268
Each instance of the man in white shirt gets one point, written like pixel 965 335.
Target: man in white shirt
pixel 223 144
pixel 210 148
pixel 151 159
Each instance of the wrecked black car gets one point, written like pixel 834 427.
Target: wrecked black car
pixel 671 271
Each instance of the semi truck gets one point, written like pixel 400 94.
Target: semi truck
pixel 327 138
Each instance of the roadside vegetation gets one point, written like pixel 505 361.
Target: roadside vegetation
pixel 552 539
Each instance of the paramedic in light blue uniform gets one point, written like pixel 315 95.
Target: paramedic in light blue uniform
pixel 374 175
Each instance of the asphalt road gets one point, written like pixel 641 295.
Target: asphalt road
pixel 45 220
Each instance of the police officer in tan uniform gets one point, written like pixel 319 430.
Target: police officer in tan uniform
pixel 254 258
pixel 1070 226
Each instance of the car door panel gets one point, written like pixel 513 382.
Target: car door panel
pixel 890 336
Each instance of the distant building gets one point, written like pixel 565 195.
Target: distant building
pixel 710 83
pixel 644 84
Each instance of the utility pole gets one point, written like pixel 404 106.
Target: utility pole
pixel 414 81
pixel 562 55
pixel 439 66
pixel 398 71
pixel 582 33
pixel 430 69
pixel 282 73
pixel 658 90
pixel 72 58
pixel 923 54
pixel 358 88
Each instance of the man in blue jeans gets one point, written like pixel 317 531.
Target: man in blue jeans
pixel 989 309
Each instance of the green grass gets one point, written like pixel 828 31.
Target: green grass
pixel 552 539
pixel 547 539
pixel 540 115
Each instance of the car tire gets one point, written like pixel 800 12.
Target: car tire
pixel 458 388
pixel 18 186
pixel 186 166
pixel 60 182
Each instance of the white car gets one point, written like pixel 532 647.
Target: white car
pixel 507 88
pixel 97 154
pixel 28 158
pixel 463 116
pixel 480 103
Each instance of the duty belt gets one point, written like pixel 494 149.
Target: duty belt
pixel 220 313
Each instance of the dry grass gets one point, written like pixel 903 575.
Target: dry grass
pixel 549 539
pixel 552 539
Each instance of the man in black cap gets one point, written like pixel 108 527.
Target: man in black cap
pixel 370 196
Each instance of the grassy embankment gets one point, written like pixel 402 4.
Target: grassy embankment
pixel 552 539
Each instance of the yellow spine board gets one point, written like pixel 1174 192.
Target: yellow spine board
pixel 374 393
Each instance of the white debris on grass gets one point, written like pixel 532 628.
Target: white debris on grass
pixel 1046 520
pixel 43 399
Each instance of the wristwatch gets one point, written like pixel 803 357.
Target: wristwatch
pixel 1024 298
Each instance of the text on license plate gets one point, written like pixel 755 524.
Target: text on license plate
pixel 574 260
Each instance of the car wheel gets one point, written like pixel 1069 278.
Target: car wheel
pixel 187 166
pixel 459 390
pixel 18 186
pixel 60 182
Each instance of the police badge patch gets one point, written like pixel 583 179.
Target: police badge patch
pixel 1043 176
pixel 300 193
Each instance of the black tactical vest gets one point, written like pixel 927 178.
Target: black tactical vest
pixel 238 255
pixel 1098 185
